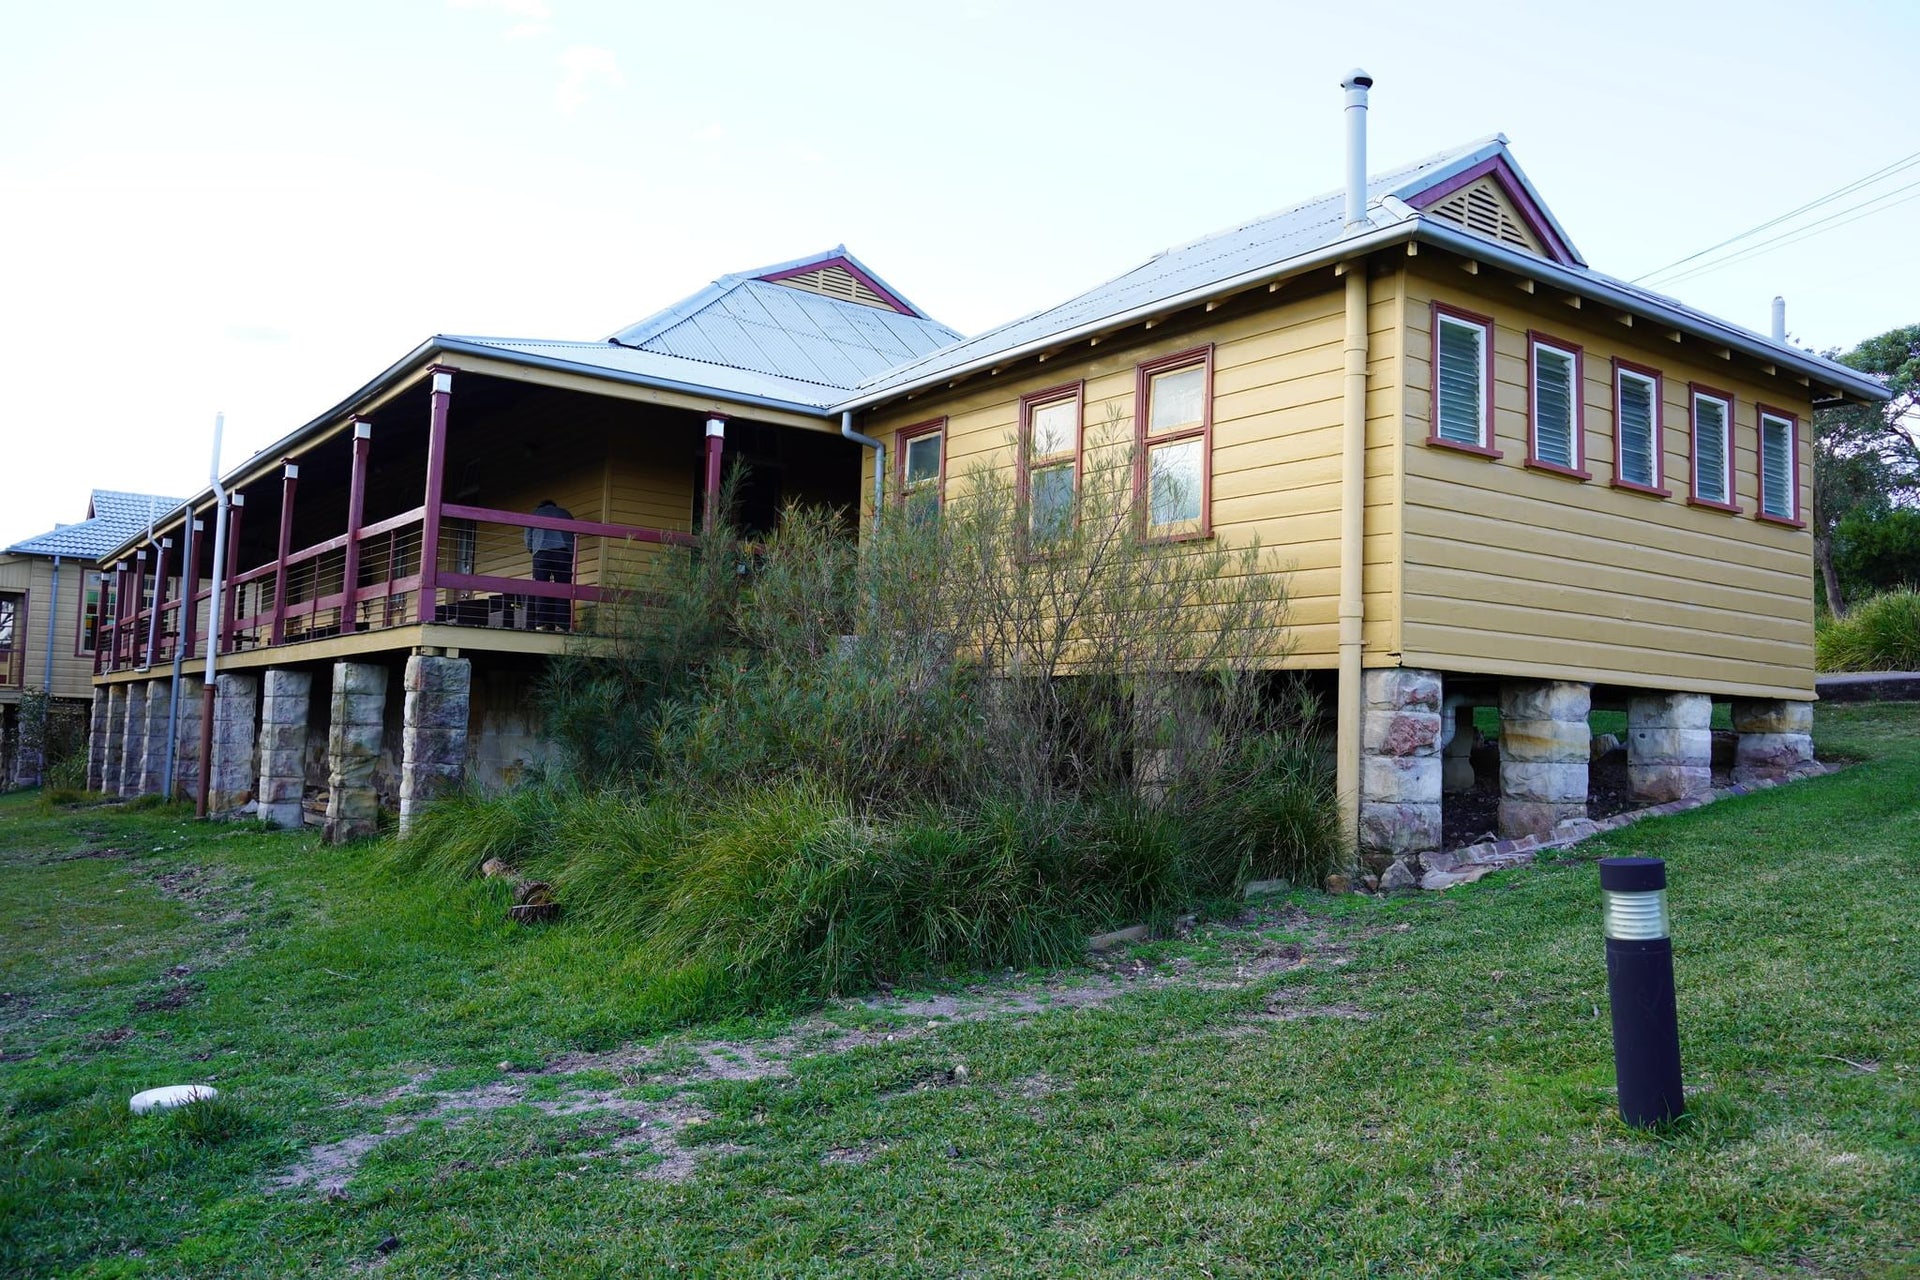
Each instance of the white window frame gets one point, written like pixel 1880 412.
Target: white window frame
pixel 1792 424
pixel 1482 329
pixel 1576 427
pixel 1656 432
pixel 1695 395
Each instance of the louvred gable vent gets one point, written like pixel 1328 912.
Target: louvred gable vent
pixel 837 282
pixel 1483 208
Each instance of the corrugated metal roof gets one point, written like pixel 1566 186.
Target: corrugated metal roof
pixel 745 323
pixel 114 516
pixel 1269 244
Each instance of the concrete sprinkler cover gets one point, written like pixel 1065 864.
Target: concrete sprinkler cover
pixel 169 1096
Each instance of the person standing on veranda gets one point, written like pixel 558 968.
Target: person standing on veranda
pixel 552 562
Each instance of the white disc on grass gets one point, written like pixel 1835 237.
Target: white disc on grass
pixel 172 1095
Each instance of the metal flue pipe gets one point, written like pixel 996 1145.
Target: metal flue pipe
pixel 1356 84
pixel 1779 318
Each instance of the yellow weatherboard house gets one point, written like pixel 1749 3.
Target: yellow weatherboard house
pixel 1497 477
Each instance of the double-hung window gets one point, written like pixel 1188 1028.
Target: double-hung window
pixel 1173 407
pixel 1050 459
pixel 1462 381
pixel 1779 465
pixel 1636 428
pixel 923 467
pixel 1556 415
pixel 1712 415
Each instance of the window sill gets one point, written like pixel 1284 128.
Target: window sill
pixel 1555 469
pixel 1192 535
pixel 1645 491
pixel 1728 508
pixel 1785 522
pixel 1477 450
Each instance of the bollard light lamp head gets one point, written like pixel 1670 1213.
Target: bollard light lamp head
pixel 1634 899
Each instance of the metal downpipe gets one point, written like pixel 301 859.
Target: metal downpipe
pixel 1353 498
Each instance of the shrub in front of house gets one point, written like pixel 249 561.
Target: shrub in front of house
pixel 810 765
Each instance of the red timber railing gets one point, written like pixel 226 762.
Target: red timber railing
pixel 486 575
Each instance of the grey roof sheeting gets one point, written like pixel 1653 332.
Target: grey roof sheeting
pixel 116 517
pixel 742 321
pixel 742 337
pixel 1295 239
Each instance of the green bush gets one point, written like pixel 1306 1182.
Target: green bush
pixel 1881 633
pixel 803 766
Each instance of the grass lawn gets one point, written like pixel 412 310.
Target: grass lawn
pixel 1417 1086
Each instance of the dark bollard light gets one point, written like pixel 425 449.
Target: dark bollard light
pixel 1646 1026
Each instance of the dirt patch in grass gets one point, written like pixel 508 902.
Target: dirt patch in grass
pixel 177 996
pixel 654 1126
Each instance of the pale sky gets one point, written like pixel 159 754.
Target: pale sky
pixel 257 207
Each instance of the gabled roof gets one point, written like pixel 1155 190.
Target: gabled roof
pixel 772 324
pixel 113 517
pixel 763 336
pixel 1403 204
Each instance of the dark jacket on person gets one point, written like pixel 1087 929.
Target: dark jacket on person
pixel 550 539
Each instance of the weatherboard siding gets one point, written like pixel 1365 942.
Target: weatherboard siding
pixel 33 576
pixel 1276 462
pixel 1514 571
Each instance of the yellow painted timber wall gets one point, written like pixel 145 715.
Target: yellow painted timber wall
pixel 1512 571
pixel 1277 386
pixel 33 575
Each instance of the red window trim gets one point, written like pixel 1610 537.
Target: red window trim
pixel 1075 391
pixel 1143 376
pixel 1487 447
pixel 901 438
pixel 19 642
pixel 1694 391
pixel 1658 444
pixel 1578 471
pixel 1761 412
pixel 96 579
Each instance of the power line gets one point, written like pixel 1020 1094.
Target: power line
pixel 1905 162
pixel 1833 222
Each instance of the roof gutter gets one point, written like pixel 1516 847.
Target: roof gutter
pixel 1599 289
pixel 1338 251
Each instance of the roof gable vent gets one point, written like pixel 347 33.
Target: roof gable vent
pixel 1484 208
pixel 835 281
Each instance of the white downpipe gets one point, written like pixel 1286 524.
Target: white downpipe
pixel 879 460
pixel 216 610
pixel 1353 469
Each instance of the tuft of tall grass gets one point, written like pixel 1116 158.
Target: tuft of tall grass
pixel 1881 633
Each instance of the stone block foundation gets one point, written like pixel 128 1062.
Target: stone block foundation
pixel 1776 738
pixel 116 749
pixel 186 738
pixel 97 738
pixel 153 751
pixel 1400 768
pixel 231 773
pixel 284 699
pixel 1545 743
pixel 133 737
pixel 353 750
pixel 434 731
pixel 1669 746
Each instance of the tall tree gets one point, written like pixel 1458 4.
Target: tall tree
pixel 1866 456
